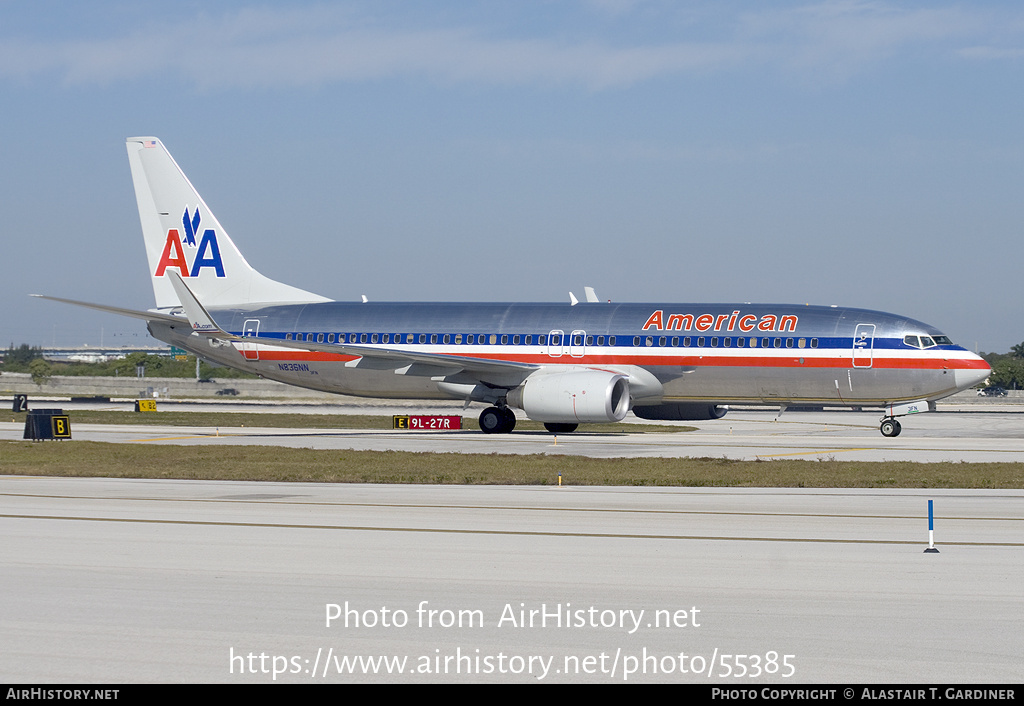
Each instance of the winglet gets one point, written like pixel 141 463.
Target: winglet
pixel 198 317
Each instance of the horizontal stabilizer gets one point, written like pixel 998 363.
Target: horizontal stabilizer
pixel 121 311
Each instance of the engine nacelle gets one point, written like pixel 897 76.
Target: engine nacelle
pixel 572 397
pixel 679 411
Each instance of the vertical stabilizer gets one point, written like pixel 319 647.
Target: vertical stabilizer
pixel 183 236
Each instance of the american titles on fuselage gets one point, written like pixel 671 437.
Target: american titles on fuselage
pixel 736 321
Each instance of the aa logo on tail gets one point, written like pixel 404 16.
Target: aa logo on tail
pixel 206 254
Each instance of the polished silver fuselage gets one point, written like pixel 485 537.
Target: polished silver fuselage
pixel 715 353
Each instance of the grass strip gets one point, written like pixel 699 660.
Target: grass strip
pixel 264 463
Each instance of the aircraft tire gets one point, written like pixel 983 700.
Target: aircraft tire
pixel 491 420
pixel 510 420
pixel 560 427
pixel 890 427
pixel 495 420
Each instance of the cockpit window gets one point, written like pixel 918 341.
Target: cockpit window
pixel 926 341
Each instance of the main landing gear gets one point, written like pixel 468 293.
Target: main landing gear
pixel 890 427
pixel 502 420
pixel 497 420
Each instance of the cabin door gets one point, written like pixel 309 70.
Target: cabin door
pixel 555 343
pixel 863 345
pixel 251 329
pixel 577 344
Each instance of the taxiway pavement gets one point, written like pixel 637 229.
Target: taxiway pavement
pixel 176 581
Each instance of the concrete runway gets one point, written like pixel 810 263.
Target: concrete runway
pixel 982 433
pixel 139 580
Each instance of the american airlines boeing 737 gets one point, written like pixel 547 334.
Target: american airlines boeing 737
pixel 561 364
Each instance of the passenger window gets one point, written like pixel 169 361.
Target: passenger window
pixel 714 341
pixel 814 343
pixel 287 337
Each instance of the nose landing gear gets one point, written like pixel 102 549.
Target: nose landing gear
pixel 890 427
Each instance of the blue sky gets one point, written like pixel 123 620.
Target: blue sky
pixel 856 153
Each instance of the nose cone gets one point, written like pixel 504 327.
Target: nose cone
pixel 974 370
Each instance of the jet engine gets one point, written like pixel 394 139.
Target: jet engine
pixel 676 411
pixel 572 397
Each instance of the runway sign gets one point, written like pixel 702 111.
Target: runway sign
pixel 427 422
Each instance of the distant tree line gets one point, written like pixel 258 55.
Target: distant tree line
pixel 1007 368
pixel 29 359
pixel 21 356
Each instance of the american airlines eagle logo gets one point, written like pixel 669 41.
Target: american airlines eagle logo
pixel 190 262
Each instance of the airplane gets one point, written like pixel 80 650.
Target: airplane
pixel 560 363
